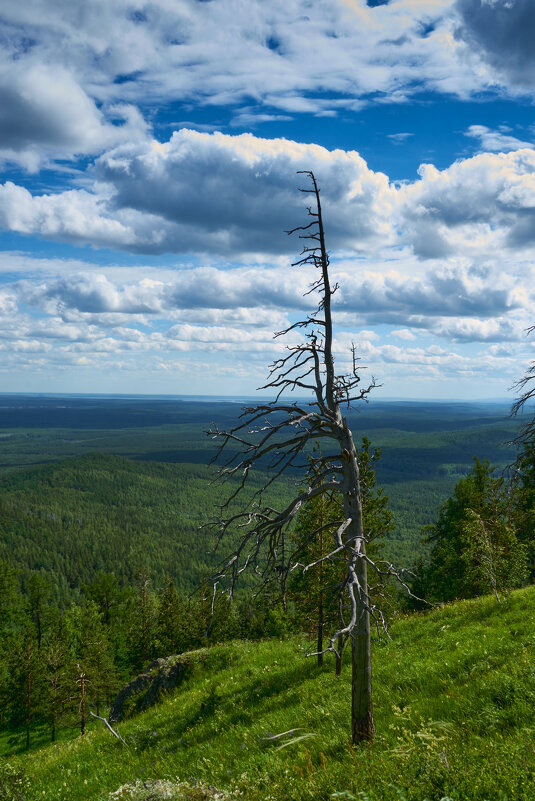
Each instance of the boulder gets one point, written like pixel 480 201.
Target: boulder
pixel 160 677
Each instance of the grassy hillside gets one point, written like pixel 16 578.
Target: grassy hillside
pixel 454 705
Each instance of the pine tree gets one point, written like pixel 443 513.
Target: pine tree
pixel 141 621
pixel 56 665
pixel 38 596
pixel 170 621
pixel 525 503
pixel 474 544
pixel 28 684
pixel 96 657
pixel 105 591
pixel 11 630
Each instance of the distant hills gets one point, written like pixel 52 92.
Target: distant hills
pixel 116 484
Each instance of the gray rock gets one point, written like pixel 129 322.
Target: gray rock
pixel 160 677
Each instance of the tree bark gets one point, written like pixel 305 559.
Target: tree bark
pixel 338 666
pixel 320 597
pixel 362 724
pixel 320 630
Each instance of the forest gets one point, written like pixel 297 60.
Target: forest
pixel 114 486
pixel 103 551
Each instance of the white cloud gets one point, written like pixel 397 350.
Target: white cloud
pixel 65 66
pixel 252 296
pixel 496 141
pixel 474 207
pixel 211 193
pixel 399 138
pixel 471 227
pixel 233 196
pixel 403 333
pixel 72 216
pixel 47 115
pixel 472 330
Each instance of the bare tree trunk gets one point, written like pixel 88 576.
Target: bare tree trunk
pixel 362 725
pixel 29 693
pixel 338 665
pixel 81 681
pixel 282 433
pixel 82 705
pixel 320 598
pixel 39 631
pixel 320 630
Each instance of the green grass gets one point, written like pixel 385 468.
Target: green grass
pixel 454 694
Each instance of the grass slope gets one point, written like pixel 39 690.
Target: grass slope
pixel 454 705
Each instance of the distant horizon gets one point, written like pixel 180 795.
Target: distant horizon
pixel 243 397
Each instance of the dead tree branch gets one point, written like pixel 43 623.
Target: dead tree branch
pixel 277 436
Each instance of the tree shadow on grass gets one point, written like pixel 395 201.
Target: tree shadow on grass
pixel 254 699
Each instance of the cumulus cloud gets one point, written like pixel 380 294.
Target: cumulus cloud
pixel 472 330
pixel 94 294
pixel 72 216
pixel 92 321
pixel 502 33
pixel 204 304
pixel 236 294
pixel 208 193
pixel 233 196
pixel 404 333
pixel 451 291
pixel 473 206
pixel 46 115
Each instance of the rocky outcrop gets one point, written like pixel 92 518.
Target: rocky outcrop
pixel 159 678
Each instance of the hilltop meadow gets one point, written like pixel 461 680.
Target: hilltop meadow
pixel 454 700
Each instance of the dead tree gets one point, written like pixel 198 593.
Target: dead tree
pixel 526 386
pixel 279 434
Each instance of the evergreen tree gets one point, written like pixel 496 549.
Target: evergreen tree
pixel 96 657
pixel 38 596
pixel 170 621
pixel 56 664
pixel 91 673
pixel 11 629
pixel 314 592
pixel 494 559
pixel 28 684
pixel 474 542
pixel 142 621
pixel 525 503
pixel 105 591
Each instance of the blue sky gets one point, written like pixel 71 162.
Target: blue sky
pixel 149 152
